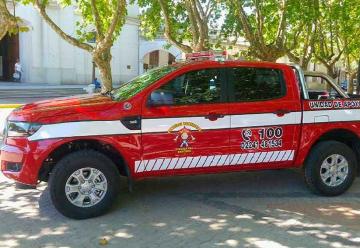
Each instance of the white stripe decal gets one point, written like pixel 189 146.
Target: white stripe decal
pixel 208 161
pixel 149 165
pixel 165 164
pixel 286 156
pixel 255 158
pixel 291 157
pixel 334 115
pixel 266 119
pixel 222 160
pixel 81 128
pixel 157 164
pixel 274 156
pixel 280 156
pixel 241 159
pixel 187 162
pixel 215 160
pixel 162 164
pixel 248 158
pixel 141 167
pixel 172 163
pixel 201 161
pixel 115 127
pixel 235 159
pixel 194 162
pixel 180 163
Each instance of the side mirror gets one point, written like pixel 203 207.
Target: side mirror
pixel 160 98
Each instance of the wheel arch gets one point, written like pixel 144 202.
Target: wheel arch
pixel 344 136
pixel 71 146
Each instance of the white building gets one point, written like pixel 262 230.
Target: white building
pixel 46 58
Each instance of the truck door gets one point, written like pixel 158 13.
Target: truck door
pixel 185 124
pixel 265 116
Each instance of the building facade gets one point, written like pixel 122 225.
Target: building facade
pixel 47 58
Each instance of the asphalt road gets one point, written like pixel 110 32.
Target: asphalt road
pixel 257 209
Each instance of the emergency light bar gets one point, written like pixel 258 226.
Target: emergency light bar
pixel 206 55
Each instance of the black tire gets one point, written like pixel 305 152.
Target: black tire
pixel 313 163
pixel 73 162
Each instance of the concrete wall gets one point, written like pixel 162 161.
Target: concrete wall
pixel 46 58
pixel 146 46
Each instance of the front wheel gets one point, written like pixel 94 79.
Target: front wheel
pixel 330 168
pixel 84 184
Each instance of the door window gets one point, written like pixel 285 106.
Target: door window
pixel 257 84
pixel 195 87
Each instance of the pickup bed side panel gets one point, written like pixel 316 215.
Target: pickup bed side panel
pixel 323 116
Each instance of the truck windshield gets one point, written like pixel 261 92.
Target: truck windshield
pixel 139 83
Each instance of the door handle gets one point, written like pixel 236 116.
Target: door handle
pixel 282 112
pixel 214 116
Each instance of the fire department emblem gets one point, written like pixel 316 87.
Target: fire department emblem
pixel 184 137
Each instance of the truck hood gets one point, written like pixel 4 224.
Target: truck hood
pixel 73 108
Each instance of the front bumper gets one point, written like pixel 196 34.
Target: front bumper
pixel 19 160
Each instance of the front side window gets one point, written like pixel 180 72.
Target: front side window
pixel 195 87
pixel 257 84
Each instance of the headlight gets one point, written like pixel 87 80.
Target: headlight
pixel 21 129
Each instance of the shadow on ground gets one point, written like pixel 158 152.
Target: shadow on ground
pixel 258 209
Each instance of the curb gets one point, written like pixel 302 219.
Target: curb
pixel 11 106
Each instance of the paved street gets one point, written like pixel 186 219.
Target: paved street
pixel 19 93
pixel 258 209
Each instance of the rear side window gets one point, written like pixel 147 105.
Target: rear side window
pixel 256 84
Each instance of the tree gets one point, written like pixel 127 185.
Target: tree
pixel 8 22
pixel 100 20
pixel 302 29
pixel 185 24
pixel 329 46
pixel 262 23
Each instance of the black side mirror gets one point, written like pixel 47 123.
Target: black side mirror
pixel 160 98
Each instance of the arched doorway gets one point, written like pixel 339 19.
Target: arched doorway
pixel 9 53
pixel 157 58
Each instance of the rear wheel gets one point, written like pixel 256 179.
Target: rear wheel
pixel 84 184
pixel 330 168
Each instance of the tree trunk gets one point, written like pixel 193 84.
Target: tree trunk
pixel 103 62
pixel 331 72
pixel 7 21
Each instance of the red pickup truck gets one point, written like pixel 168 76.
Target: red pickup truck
pixel 184 119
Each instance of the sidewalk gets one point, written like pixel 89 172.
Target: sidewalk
pixel 24 85
pixel 15 93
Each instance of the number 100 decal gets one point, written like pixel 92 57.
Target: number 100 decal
pixel 265 138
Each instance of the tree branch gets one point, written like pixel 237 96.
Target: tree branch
pixel 201 24
pixel 193 23
pixel 119 12
pixel 97 19
pixel 260 21
pixel 7 21
pixel 41 9
pixel 280 34
pixel 167 33
pixel 249 34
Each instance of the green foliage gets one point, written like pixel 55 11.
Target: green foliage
pixel 86 25
pixel 181 22
pixel 272 27
pixel 338 32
